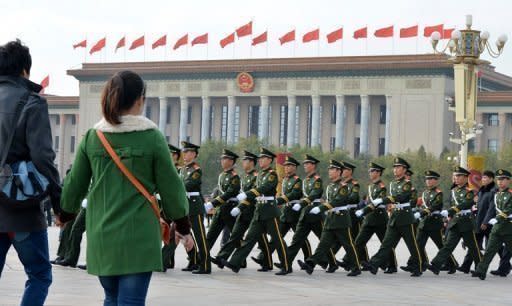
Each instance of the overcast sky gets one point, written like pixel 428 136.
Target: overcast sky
pixel 50 28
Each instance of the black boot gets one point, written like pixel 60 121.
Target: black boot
pixel 331 269
pixel 306 266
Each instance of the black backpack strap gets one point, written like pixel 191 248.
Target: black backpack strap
pixel 17 114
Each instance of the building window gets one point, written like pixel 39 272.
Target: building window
pixel 382 119
pixel 212 118
pixel 168 114
pixel 308 136
pixel 382 146
pixel 332 144
pixel 57 119
pixel 296 140
pixel 237 124
pixel 493 120
pixel 283 124
pixel 72 144
pixel 357 142
pixel 492 145
pixel 56 143
pixel 148 111
pixel 189 115
pixel 224 123
pixel 333 114
pixel 254 118
pixel 358 114
pixel 73 119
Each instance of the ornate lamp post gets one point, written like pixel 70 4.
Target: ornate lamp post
pixel 466 46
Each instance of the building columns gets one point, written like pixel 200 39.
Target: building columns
pixel 340 122
pixel 292 105
pixel 502 121
pixel 387 135
pixel 205 119
pixel 183 118
pixel 363 133
pixel 264 108
pixel 231 120
pixel 315 121
pixel 162 121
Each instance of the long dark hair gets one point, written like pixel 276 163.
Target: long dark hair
pixel 120 94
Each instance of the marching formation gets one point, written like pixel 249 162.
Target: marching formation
pixel 252 209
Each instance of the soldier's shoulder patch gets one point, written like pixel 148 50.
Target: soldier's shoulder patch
pixel 297 186
pixel 355 188
pixel 235 180
pixel 343 190
pixel 317 184
pixel 272 177
pixel 406 186
pixel 469 195
pixel 196 175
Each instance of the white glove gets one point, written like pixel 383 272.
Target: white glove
pixel 315 210
pixel 493 221
pixel 359 213
pixel 235 211
pixel 417 215
pixel 242 196
pixel 296 207
pixel 444 213
pixel 208 206
pixel 377 202
pixel 84 203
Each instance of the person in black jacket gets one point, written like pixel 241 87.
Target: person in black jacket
pixel 25 227
pixel 483 229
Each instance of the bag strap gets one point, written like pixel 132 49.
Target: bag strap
pixel 17 115
pixel 128 174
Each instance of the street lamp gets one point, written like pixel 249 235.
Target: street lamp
pixel 466 46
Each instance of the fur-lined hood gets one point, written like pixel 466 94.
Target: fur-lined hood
pixel 129 123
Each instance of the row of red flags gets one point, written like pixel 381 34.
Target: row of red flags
pixel 246 30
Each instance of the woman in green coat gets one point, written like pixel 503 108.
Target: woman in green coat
pixel 123 234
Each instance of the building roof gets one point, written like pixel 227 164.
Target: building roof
pixel 281 67
pixel 62 101
pixel 495 97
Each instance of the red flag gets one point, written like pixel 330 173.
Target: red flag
pixel 99 45
pixel 162 41
pixel 409 32
pixel 361 33
pixel 384 32
pixel 181 42
pixel 310 36
pixel 335 35
pixel 431 29
pixel 244 30
pixel 139 42
pixel 82 44
pixel 447 33
pixel 260 39
pixel 201 39
pixel 288 37
pixel 45 82
pixel 121 43
pixel 227 40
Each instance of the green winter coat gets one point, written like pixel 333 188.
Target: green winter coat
pixel 123 233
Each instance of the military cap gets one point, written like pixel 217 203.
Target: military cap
pixel 347 165
pixel 398 161
pixel 173 149
pixel 458 170
pixel 409 172
pixel 502 173
pixel 291 161
pixel 248 155
pixel 432 174
pixel 335 164
pixel 374 166
pixel 266 153
pixel 310 159
pixel 229 154
pixel 187 146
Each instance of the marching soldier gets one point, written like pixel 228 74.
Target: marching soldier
pixel 400 221
pixel 337 224
pixel 191 175
pixel 244 213
pixel 265 219
pixel 502 226
pixel 228 187
pixel 312 193
pixel 461 223
pixel 431 222
pixel 291 193
pixel 375 216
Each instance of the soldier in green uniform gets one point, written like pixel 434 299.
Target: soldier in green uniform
pixel 337 228
pixel 501 232
pixel 400 221
pixel 461 223
pixel 265 219
pixel 291 193
pixel 311 197
pixel 431 222
pixel 244 212
pixel 191 175
pixel 228 187
pixel 375 216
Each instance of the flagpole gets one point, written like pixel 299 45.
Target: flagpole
pixel 85 49
pixel 295 43
pixel 124 48
pixel 366 40
pixel 266 42
pixel 144 47
pixel 318 44
pixel 250 46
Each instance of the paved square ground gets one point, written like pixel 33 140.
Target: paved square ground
pixel 222 287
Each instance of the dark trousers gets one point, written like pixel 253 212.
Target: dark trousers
pixel 480 236
pixel 75 238
pixel 284 228
pixel 496 242
pixel 218 224
pixel 130 289
pixel 331 237
pixel 365 234
pixel 438 239
pixel 452 239
pixel 65 233
pixel 203 253
pixel 300 237
pixel 32 249
pixel 169 250
pixel 355 229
